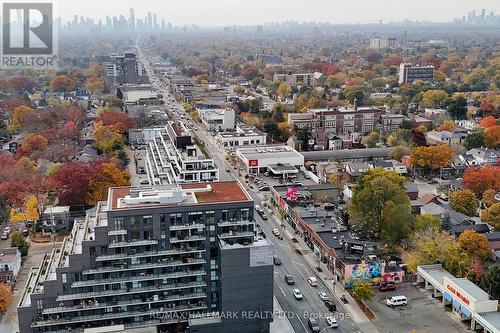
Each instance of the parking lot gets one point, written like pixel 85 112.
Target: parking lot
pixel 423 314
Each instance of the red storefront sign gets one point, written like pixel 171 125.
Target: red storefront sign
pixel 458 294
pixel 253 163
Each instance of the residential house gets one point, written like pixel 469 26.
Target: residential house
pixel 450 138
pixel 10 265
pixel 386 165
pixel 485 156
pixel 356 169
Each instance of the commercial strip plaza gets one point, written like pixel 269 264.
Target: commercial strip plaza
pixel 467 301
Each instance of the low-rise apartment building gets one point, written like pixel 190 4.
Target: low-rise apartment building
pixel 173 258
pixel 409 73
pixel 218 119
pixel 173 156
pixel 298 79
pixel 10 265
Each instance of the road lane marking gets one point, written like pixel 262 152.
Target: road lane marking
pixel 284 295
pixel 284 245
pixel 298 263
pixel 305 329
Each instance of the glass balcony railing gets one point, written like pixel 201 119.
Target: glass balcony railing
pixel 133 243
pixel 235 223
pixel 182 250
pixel 159 264
pixel 115 315
pixel 174 240
pixel 236 234
pixel 186 226
pixel 105 293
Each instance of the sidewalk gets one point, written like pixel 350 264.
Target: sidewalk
pixel 358 316
pixel 280 324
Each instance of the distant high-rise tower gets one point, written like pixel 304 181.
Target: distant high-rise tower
pixel 150 21
pixel 163 26
pixel 131 20
pixel 155 22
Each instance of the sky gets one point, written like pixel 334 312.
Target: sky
pixel 251 12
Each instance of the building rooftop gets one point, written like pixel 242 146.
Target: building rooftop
pixel 261 152
pixel 8 255
pixel 168 195
pixel 472 289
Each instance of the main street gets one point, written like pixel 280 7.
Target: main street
pixel 292 263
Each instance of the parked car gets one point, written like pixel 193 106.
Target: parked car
pixel 393 301
pixel 297 294
pixel 276 232
pixel 323 296
pixel 289 279
pixel 331 322
pixel 330 305
pixel 7 229
pixel 5 236
pixel 144 182
pixel 276 260
pixel 313 325
pixel 312 281
pixel 387 286
pixel 25 232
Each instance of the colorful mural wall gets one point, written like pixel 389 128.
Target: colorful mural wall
pixel 370 272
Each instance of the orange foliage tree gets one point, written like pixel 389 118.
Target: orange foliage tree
pixel 492 137
pixel 432 157
pixel 105 176
pixel 488 122
pixel 447 125
pixel 475 245
pixel 479 180
pixel 32 142
pixel 22 115
pixel 62 83
pixel 5 297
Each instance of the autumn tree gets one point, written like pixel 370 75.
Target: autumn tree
pixel 397 153
pixel 492 137
pixel 434 98
pixel 362 291
pixel 373 191
pixel 339 179
pixel 28 213
pixel 94 84
pixel 103 177
pixel 21 116
pixel 488 122
pixel 284 90
pixel 18 240
pixel 397 221
pixel 489 197
pixel 432 246
pixel 480 179
pixel 32 142
pixel 490 281
pixel 6 297
pixel 119 120
pixel 426 221
pixel 447 125
pixel 62 83
pixel 464 201
pixel 71 180
pixel 491 216
pixel 432 157
pixel 107 139
pixel 475 245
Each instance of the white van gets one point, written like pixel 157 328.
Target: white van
pixel 396 301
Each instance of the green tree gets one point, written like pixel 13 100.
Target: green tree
pixel 362 291
pixel 277 112
pixel 464 201
pixel 17 240
pixel 446 222
pixel 457 107
pixel 397 221
pixel 303 135
pixel 373 190
pixel 490 281
pixel 427 221
pixel 474 140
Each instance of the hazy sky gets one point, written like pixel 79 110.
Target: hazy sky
pixel 246 12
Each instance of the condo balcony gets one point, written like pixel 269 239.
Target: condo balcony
pixel 236 234
pixel 140 277
pixel 186 238
pixel 124 314
pixel 235 223
pixel 93 305
pixel 122 291
pixel 182 250
pixel 186 226
pixel 133 243
pixel 159 264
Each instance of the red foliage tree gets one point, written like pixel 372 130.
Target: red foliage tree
pixel 479 180
pixel 121 121
pixel 72 182
pixel 488 122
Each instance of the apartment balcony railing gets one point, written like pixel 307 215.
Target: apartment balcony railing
pixel 174 240
pixel 144 254
pixel 117 232
pixel 115 315
pixel 186 226
pixel 97 305
pixel 235 223
pixel 133 243
pixel 159 264
pixel 106 293
pixel 236 234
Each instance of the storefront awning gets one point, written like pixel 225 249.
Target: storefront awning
pixel 448 297
pixel 466 312
pixel 456 304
